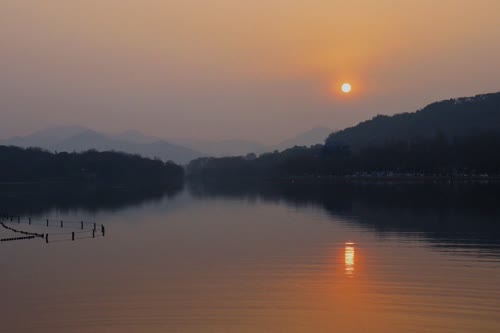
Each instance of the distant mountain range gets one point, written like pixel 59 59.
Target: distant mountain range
pixel 79 139
pixel 449 118
pixel 76 138
pixel 316 135
pixel 452 118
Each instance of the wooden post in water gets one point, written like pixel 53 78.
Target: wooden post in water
pixel 46 238
pixel 102 229
pixel 93 233
pixel 82 224
pixel 73 235
pixel 47 222
pixel 61 223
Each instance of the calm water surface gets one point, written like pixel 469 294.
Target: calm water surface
pixel 385 258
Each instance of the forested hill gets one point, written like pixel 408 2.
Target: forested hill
pixel 101 168
pixel 461 117
pixel 453 138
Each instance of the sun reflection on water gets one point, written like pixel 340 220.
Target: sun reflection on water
pixel 349 258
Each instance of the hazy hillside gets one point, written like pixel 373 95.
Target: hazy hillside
pixel 81 139
pixel 451 118
pixel 223 148
pixel 45 138
pixel 134 136
pixel 312 137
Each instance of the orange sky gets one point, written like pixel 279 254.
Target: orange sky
pixel 265 69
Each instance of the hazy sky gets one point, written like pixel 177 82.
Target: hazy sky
pixel 261 69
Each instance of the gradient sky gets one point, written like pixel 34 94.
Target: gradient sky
pixel 260 70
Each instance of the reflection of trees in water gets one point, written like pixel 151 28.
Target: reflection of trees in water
pixel 457 215
pixel 36 199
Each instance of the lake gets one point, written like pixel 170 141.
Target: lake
pixel 365 257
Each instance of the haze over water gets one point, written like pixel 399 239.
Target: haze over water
pixel 318 258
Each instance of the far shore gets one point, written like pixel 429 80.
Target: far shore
pixel 393 178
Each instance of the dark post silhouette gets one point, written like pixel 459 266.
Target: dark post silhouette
pixel 47 222
pixel 61 223
pixel 82 225
pixel 73 235
pixel 102 229
pixel 93 233
pixel 94 226
pixel 46 238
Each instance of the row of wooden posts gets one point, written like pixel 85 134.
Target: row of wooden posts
pixel 46 235
pixel 30 235
pixel 16 238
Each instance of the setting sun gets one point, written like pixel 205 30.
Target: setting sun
pixel 346 88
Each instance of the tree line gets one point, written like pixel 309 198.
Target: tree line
pixel 107 168
pixel 471 155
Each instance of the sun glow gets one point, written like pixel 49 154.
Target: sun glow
pixel 346 88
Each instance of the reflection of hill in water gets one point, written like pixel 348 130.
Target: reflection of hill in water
pixel 33 199
pixel 459 216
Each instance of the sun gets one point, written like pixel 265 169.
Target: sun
pixel 346 88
